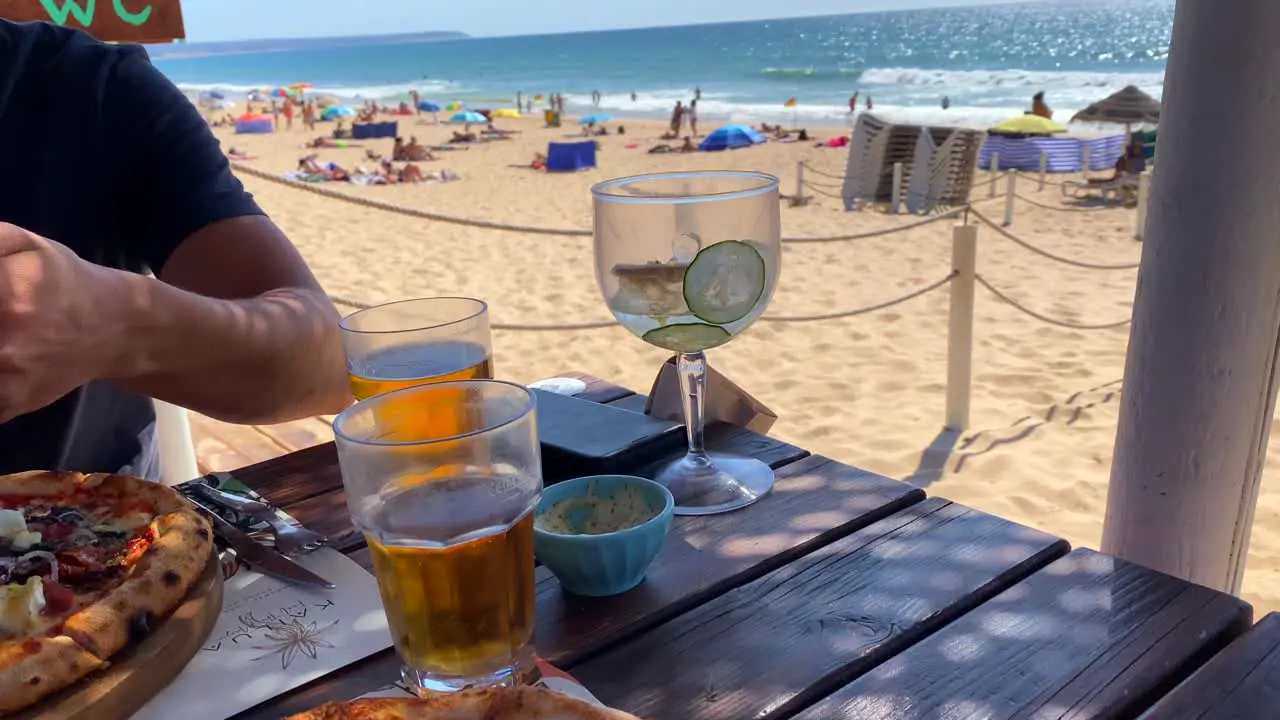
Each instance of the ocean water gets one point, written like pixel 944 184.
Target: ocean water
pixel 987 60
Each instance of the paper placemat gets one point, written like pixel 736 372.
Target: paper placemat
pixel 272 637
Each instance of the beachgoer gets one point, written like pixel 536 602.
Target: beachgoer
pixel 1039 107
pixel 688 145
pixel 595 98
pixel 411 174
pixel 519 99
pixel 417 100
pixel 697 93
pixel 869 105
pixel 677 119
pixel 633 96
pixel 692 115
pixel 622 130
pixel 853 102
pixel 397 150
pixel 309 116
pixel 288 113
pixel 233 325
pixel 803 134
pixel 946 102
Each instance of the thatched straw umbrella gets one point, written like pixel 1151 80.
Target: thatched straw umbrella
pixel 1130 106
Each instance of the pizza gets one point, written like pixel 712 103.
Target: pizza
pixel 87 564
pixel 502 703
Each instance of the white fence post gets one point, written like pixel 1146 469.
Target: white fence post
pixel 1084 158
pixel 1011 188
pixel 1044 168
pixel 1144 194
pixel 897 188
pixel 964 258
pixel 995 170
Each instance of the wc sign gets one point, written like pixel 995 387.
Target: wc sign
pixel 134 21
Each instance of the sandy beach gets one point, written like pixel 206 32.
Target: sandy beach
pixel 868 390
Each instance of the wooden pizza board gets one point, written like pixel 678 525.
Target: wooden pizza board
pixel 141 671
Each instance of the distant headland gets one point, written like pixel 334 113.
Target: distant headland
pixel 238 47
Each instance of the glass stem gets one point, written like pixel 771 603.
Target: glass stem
pixel 692 368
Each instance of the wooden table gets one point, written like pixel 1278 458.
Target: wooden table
pixel 843 594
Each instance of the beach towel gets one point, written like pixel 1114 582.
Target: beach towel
pixel 368 180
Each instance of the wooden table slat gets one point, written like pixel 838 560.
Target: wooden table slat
pixel 815 501
pixel 1090 636
pixel 1239 683
pixel 777 644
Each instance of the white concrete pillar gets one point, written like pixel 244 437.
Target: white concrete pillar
pixel 1044 168
pixel 994 169
pixel 1011 191
pixel 1200 380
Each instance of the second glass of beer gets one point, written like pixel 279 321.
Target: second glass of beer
pixel 448 515
pixel 415 342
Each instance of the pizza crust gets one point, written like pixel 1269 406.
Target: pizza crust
pixel 27 674
pixel 154 588
pixel 37 666
pixel 502 703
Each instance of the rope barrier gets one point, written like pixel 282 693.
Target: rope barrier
pixel 876 233
pixel 821 191
pixel 1045 318
pixel 841 176
pixel 352 302
pixel 1045 253
pixel 390 207
pixel 1058 208
pixel 863 310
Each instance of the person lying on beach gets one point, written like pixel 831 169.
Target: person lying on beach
pixel 324 142
pixel 235 154
pixel 539 161
pixel 661 149
pixel 397 150
pixel 688 145
pixel 463 137
pixel 330 170
pixel 491 130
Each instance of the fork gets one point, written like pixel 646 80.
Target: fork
pixel 287 537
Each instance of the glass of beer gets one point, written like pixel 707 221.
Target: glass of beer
pixel 449 521
pixel 414 342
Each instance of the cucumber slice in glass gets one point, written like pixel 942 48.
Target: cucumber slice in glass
pixel 687 337
pixel 724 282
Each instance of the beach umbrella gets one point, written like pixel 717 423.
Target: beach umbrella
pixel 215 95
pixel 301 86
pixel 336 111
pixel 281 92
pixel 1129 106
pixel 327 100
pixel 468 117
pixel 428 106
pixel 730 137
pixel 595 119
pixel 256 96
pixel 505 113
pixel 1028 124
pixel 455 106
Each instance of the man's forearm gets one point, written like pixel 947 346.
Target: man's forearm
pixel 272 358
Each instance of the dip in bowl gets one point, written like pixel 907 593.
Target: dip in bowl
pixel 598 534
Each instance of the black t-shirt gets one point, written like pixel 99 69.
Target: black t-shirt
pixel 100 152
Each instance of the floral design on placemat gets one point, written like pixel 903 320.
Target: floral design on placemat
pixel 289 639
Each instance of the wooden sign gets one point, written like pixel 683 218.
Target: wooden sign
pixel 133 21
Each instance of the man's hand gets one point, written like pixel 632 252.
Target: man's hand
pixel 55 317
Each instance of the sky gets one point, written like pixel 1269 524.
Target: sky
pixel 213 20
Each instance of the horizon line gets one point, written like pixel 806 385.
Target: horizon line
pixel 468 36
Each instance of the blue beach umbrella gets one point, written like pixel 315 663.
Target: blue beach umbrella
pixel 469 116
pixel 428 106
pixel 595 119
pixel 730 137
pixel 216 95
pixel 336 111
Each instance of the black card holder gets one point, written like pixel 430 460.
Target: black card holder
pixel 580 437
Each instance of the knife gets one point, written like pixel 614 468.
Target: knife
pixel 262 558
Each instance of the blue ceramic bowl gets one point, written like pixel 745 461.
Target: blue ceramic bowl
pixel 598 534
